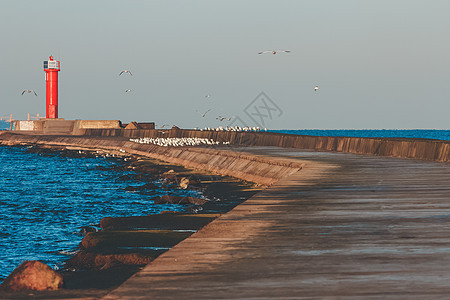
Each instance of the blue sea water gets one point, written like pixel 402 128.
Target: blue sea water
pixel 4 125
pixel 436 134
pixel 46 200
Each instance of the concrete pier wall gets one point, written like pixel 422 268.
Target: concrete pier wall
pixel 259 169
pixel 423 149
pixel 62 126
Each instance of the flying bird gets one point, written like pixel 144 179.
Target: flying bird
pixel 29 91
pixel 203 114
pixel 220 118
pixel 208 96
pixel 316 88
pixel 126 91
pixel 164 125
pixel 125 71
pixel 274 51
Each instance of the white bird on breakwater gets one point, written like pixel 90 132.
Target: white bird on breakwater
pixel 125 71
pixel 29 91
pixel 274 51
pixel 203 114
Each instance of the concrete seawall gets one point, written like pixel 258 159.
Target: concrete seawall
pixel 258 169
pixel 423 149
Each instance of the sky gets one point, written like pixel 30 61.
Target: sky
pixel 378 64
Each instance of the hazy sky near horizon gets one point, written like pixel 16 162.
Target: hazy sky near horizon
pixel 378 64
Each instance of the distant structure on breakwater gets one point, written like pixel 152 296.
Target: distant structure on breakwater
pixel 74 127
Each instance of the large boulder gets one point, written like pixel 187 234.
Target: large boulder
pixel 33 275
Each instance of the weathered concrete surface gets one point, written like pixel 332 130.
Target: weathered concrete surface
pixel 345 226
pixel 261 170
pixel 62 126
pixel 89 124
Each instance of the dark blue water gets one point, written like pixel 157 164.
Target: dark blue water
pixel 436 134
pixel 4 125
pixel 45 200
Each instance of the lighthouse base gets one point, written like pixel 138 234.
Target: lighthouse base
pixel 52 111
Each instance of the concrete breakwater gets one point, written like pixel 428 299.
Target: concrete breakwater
pixel 258 169
pixel 423 149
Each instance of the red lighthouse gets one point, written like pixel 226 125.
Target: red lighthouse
pixel 51 69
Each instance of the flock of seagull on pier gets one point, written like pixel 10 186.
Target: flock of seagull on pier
pixel 178 142
pixel 234 128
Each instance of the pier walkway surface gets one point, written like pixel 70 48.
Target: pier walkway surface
pixel 345 226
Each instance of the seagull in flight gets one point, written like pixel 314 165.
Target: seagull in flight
pixel 274 51
pixel 203 114
pixel 126 91
pixel 208 96
pixel 316 88
pixel 164 125
pixel 220 118
pixel 125 71
pixel 29 91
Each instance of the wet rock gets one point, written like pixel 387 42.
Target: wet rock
pixel 33 275
pixel 124 178
pixel 150 186
pixel 108 223
pixel 169 176
pixel 82 260
pixel 85 260
pixel 113 263
pixel 179 200
pixel 103 262
pixel 149 171
pixel 184 183
pixel 86 229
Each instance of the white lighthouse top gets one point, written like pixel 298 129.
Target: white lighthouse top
pixel 51 64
